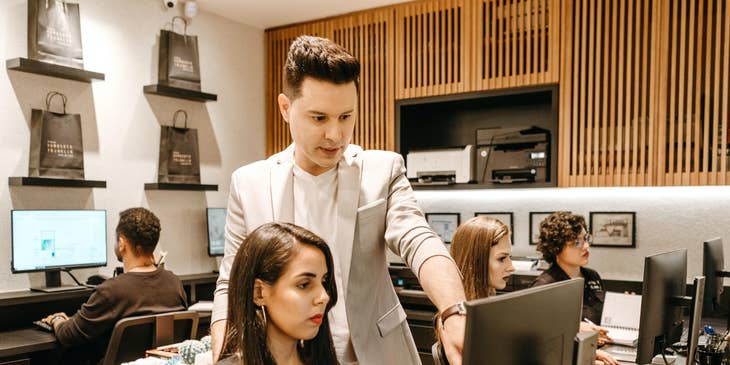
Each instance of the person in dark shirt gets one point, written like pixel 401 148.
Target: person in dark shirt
pixel 142 289
pixel 564 244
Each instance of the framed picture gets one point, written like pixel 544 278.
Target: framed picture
pixel 444 224
pixel 504 217
pixel 535 219
pixel 613 229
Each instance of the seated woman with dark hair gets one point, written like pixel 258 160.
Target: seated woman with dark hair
pixel 481 248
pixel 281 290
pixel 564 244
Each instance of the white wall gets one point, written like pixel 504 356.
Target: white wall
pixel 121 125
pixel 667 218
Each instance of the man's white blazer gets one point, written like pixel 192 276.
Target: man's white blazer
pixel 376 208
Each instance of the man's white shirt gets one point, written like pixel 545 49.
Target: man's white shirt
pixel 315 208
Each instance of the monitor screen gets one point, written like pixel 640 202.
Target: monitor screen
pixel 713 263
pixel 526 327
pixel 216 231
pixel 660 324
pixel 53 239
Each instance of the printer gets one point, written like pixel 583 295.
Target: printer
pixel 441 166
pixel 507 155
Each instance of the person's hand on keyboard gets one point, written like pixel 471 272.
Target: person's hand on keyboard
pixel 603 337
pixel 55 318
pixel 604 358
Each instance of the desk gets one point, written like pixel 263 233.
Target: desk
pixel 18 309
pixel 24 341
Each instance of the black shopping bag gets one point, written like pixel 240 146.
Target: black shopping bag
pixel 54 32
pixel 179 158
pixel 179 62
pixel 56 143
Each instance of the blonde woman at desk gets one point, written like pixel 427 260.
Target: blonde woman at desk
pixel 478 238
pixel 281 290
pixel 564 244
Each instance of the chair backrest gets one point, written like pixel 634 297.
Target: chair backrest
pixel 133 335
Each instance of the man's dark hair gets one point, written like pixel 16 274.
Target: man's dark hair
pixel 141 228
pixel 556 230
pixel 321 59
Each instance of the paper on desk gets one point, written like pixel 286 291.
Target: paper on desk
pixel 523 265
pixel 621 315
pixel 621 310
pixel 202 306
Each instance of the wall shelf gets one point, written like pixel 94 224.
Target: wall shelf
pixel 49 69
pixel 176 92
pixel 53 182
pixel 175 186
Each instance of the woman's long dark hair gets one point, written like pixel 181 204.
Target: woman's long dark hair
pixel 264 255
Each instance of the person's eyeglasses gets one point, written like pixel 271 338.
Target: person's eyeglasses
pixel 587 239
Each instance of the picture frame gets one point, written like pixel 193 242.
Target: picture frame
pixel 535 219
pixel 505 217
pixel 613 229
pixel 444 224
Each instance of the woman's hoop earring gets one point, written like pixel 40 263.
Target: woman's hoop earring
pixel 301 343
pixel 263 311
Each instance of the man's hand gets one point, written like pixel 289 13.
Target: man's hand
pixel 452 338
pixel 604 358
pixel 217 336
pixel 50 319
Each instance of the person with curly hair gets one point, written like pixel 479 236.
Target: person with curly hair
pixel 565 245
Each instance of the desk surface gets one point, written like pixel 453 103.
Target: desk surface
pixel 28 296
pixel 26 340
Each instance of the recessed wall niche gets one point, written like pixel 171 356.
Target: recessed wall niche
pixel 453 120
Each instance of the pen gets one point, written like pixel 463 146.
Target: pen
pixel 589 321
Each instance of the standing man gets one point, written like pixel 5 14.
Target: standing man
pixel 358 201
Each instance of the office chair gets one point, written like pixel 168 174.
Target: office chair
pixel 132 336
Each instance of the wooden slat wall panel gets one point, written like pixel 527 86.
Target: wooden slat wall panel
pixel 513 44
pixel 606 119
pixel 693 127
pixel 432 53
pixel 369 37
pixel 277 46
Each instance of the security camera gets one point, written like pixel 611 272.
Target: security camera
pixel 170 3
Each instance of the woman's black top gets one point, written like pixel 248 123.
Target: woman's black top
pixel 593 292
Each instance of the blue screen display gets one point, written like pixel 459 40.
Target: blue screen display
pixel 51 239
pixel 216 230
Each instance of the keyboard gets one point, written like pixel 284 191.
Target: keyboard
pixel 43 326
pixel 622 353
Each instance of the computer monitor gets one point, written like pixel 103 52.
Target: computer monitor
pixel 662 301
pixel 532 326
pixel 52 240
pixel 216 218
pixel 713 268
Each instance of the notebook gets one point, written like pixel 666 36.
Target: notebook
pixel 621 314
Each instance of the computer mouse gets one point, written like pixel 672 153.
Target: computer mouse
pixel 95 279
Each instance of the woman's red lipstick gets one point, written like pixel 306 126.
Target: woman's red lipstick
pixel 317 319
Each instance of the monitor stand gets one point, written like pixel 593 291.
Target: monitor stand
pixel 53 284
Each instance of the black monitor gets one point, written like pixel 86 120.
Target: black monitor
pixel 531 326
pixel 54 240
pixel 662 303
pixel 216 218
pixel 713 268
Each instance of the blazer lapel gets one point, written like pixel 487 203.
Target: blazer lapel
pixel 348 198
pixel 282 186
